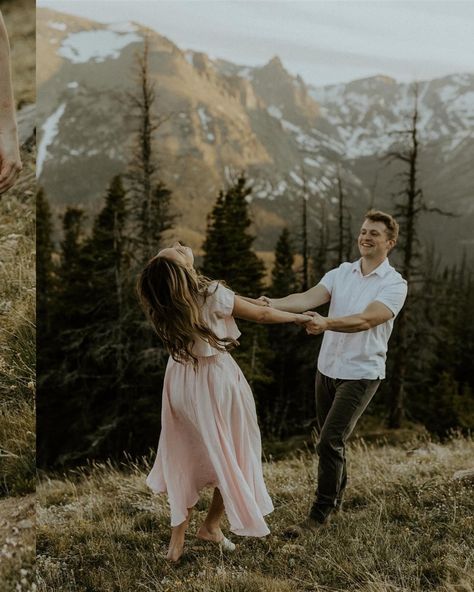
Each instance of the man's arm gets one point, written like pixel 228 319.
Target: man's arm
pixel 375 314
pixel 312 298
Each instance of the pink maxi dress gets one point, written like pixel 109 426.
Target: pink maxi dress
pixel 209 433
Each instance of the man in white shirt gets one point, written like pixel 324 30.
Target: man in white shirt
pixel 365 297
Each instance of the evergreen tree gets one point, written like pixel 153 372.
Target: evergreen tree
pixel 283 277
pixel 60 394
pixel 280 396
pixel 228 256
pixel 106 253
pixel 73 278
pixel 107 260
pixel 228 253
pixel 44 261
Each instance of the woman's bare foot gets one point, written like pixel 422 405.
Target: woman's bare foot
pixel 176 546
pixel 215 535
pixel 210 533
pixel 175 551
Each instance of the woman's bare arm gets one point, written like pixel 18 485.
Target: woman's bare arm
pixel 265 314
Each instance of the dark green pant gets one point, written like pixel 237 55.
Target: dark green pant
pixel 339 404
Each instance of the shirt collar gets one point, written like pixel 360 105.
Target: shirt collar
pixel 381 270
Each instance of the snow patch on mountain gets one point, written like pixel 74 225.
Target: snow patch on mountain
pixel 205 120
pixel 57 26
pixel 50 130
pixel 274 112
pixel 125 27
pixel 98 45
pixel 296 178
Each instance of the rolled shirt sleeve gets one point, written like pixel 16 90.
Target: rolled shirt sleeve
pixel 393 296
pixel 328 280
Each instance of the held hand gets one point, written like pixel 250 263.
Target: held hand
pixel 10 162
pixel 302 319
pixel 317 324
pixel 265 301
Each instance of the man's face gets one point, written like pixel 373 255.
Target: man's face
pixel 373 240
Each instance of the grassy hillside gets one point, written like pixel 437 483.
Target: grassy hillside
pixel 17 325
pixel 21 24
pixel 17 379
pixel 408 527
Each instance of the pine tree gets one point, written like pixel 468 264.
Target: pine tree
pixel 60 394
pixel 283 277
pixel 280 397
pixel 107 259
pixel 44 261
pixel 228 256
pixel 73 278
pixel 228 253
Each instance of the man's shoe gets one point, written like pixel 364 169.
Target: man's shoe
pixel 338 507
pixel 307 526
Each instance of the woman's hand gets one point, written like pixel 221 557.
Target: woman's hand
pixel 256 301
pixel 317 324
pixel 265 301
pixel 302 319
pixel 10 161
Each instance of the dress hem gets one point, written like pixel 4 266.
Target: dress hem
pixel 237 531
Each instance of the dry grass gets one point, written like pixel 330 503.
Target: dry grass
pixel 17 334
pixel 408 527
pixel 17 330
pixel 20 19
pixel 17 378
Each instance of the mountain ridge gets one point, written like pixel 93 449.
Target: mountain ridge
pixel 226 117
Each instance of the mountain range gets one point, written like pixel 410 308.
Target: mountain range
pixel 290 138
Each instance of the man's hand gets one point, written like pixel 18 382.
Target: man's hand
pixel 317 324
pixel 265 301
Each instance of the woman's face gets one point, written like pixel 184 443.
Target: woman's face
pixel 178 253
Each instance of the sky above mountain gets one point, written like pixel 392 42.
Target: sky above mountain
pixel 325 41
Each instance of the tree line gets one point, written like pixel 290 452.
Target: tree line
pixel 100 367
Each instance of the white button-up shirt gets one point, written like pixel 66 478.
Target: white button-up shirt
pixel 362 354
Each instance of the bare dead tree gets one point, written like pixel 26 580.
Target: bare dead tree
pixel 147 188
pixel 304 233
pixel 407 211
pixel 344 219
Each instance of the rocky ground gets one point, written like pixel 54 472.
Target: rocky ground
pixel 17 543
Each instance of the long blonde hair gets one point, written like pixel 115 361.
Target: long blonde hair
pixel 172 297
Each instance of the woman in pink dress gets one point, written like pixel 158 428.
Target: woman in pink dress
pixel 209 434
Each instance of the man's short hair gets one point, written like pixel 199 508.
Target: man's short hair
pixel 390 223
